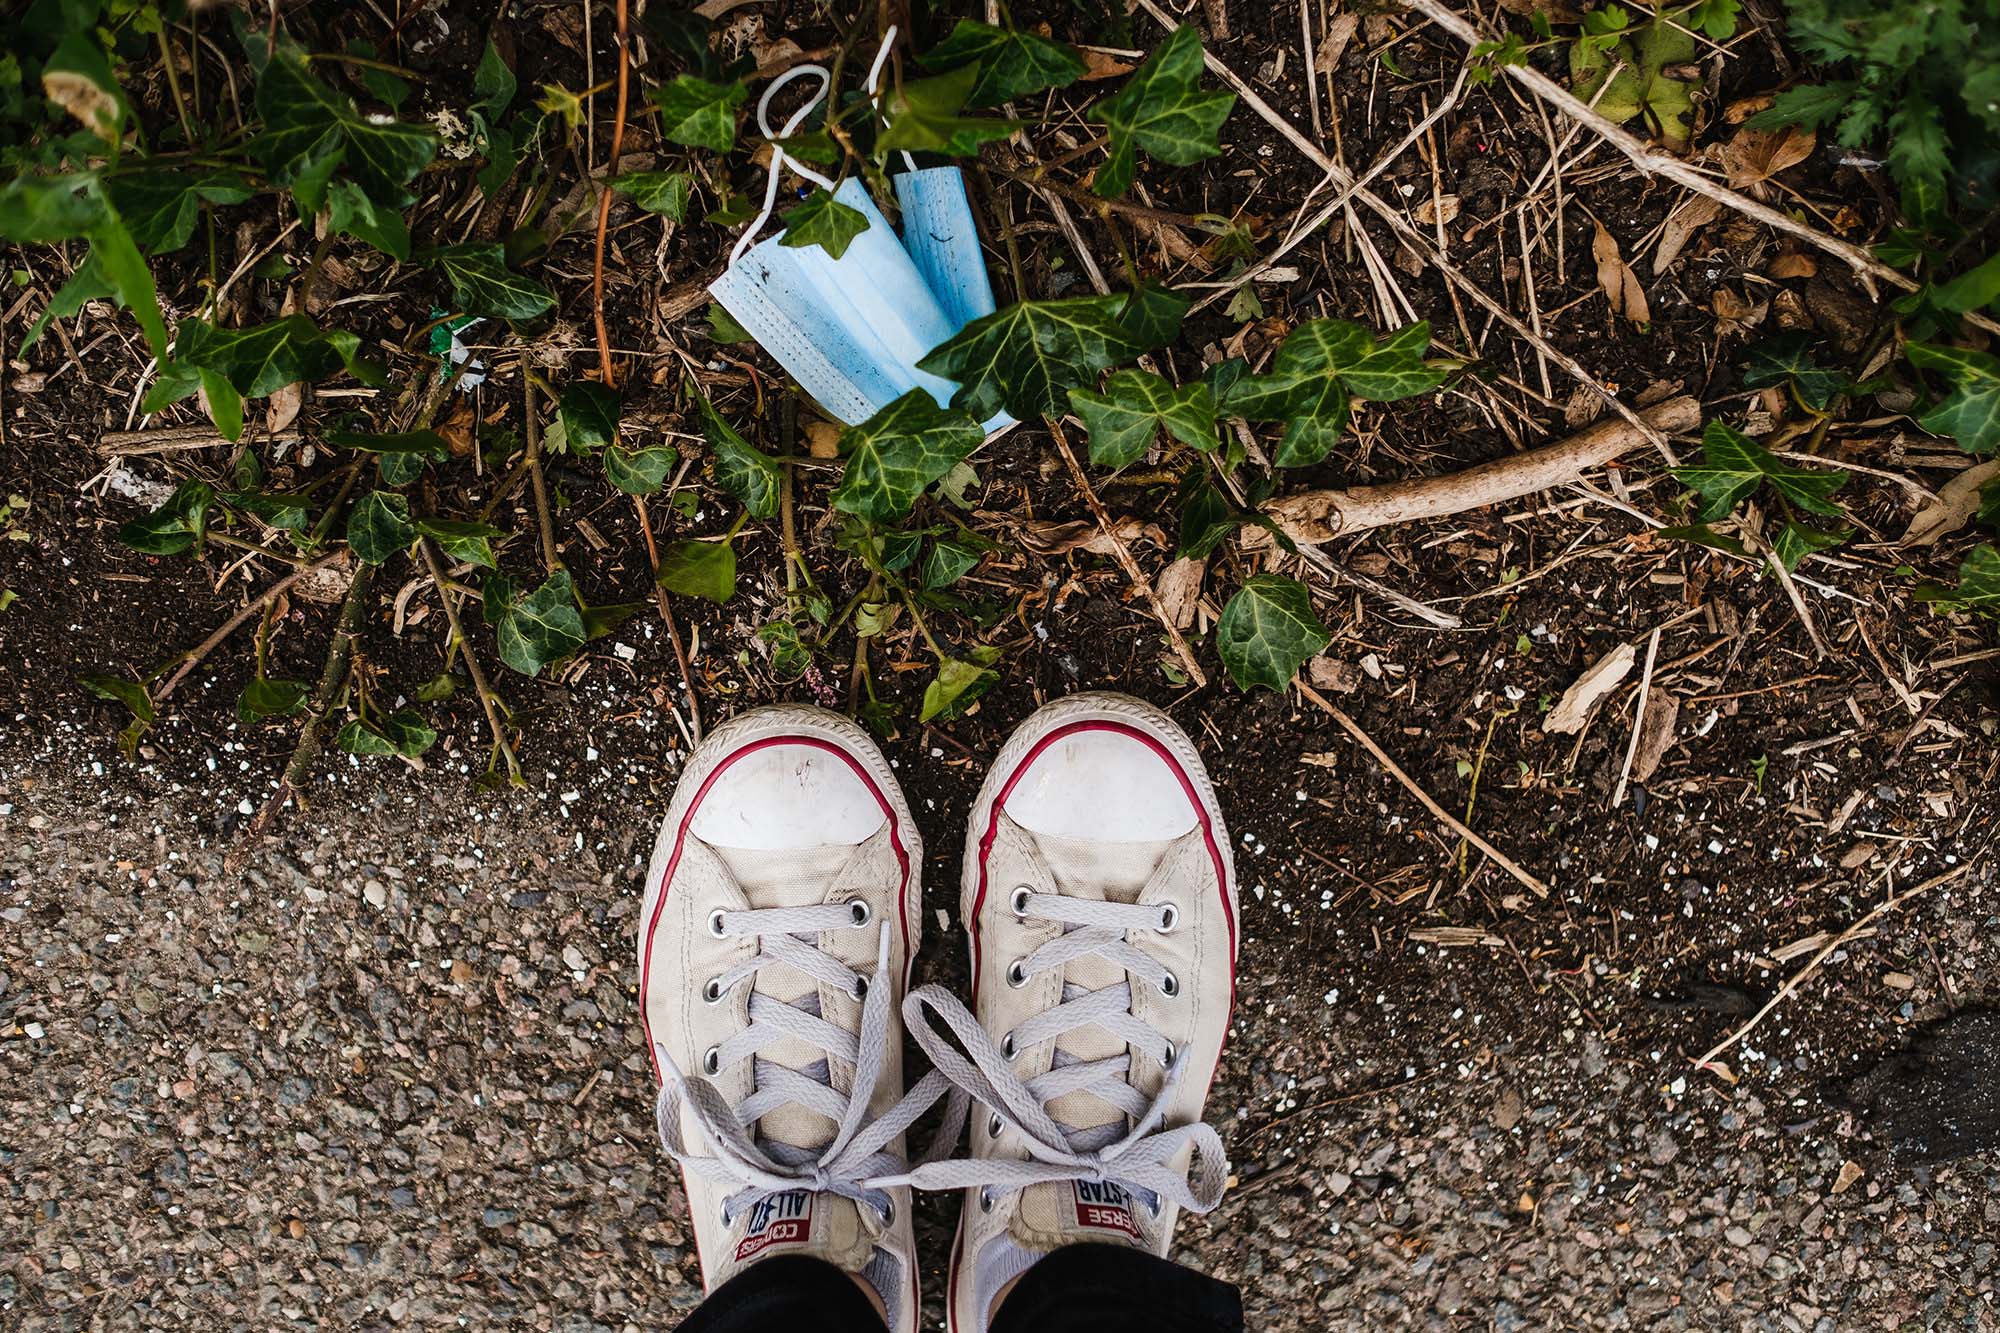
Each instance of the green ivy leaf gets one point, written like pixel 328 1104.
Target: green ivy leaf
pixel 742 469
pixel 1796 541
pixel 698 113
pixel 897 452
pixel 1267 632
pixel 924 117
pixel 1162 110
pixel 949 560
pixel 1734 465
pixel 663 192
pixel 308 125
pixel 225 405
pixel 1150 314
pixel 177 525
pixel 824 221
pixel 589 415
pixel 1970 414
pixel 131 693
pixel 639 471
pixel 1788 359
pixel 160 207
pixel 284 512
pixel 1124 419
pixel 959 683
pixel 1011 63
pixel 1970 290
pixel 426 444
pixel 1979 580
pixel 1024 358
pixel 1317 370
pixel 493 84
pixel 379 526
pixel 469 543
pixel 537 629
pixel 482 284
pixel 699 569
pixel 402 733
pixel 790 658
pixel 1206 514
pixel 266 357
pixel 352 213
pixel 269 698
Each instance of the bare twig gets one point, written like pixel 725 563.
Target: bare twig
pixel 666 606
pixel 1456 825
pixel 1638 717
pixel 192 658
pixel 487 698
pixel 606 370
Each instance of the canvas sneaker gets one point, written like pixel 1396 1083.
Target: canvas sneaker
pixel 1100 900
pixel 782 911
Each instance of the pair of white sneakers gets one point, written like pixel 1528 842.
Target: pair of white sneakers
pixel 783 910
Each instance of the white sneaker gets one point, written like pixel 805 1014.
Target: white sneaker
pixel 1100 898
pixel 783 907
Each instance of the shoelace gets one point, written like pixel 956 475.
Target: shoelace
pixel 856 1163
pixel 1137 1155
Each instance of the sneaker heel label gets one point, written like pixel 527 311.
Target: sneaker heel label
pixel 776 1219
pixel 1104 1207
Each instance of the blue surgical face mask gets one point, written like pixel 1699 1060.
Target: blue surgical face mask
pixel 850 330
pixel 943 243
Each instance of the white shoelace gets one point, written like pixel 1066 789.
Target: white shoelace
pixel 1137 1154
pixel 857 1162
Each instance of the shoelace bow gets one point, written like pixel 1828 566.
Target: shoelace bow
pixel 857 1162
pixel 1137 1155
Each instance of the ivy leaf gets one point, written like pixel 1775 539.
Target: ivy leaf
pixel 639 471
pixel 1970 414
pixel 1970 290
pixel 379 526
pixel 470 543
pixel 959 683
pixel 790 658
pixel 1207 516
pixel 403 732
pixel 287 513
pixel 698 113
pixel 482 284
pixel 589 415
pixel 137 702
pixel 1314 375
pixel 1023 358
pixel 493 84
pixel 1788 359
pixel 1979 580
pixel 924 117
pixel 307 125
pixel 1734 465
pixel 897 452
pixel 537 629
pixel 269 698
pixel 1150 314
pixel 699 569
pixel 663 192
pixel 949 560
pixel 266 357
pixel 352 213
pixel 178 524
pixel 77 77
pixel 824 221
pixel 1135 404
pixel 160 207
pixel 1267 631
pixel 1796 541
pixel 225 405
pixel 426 444
pixel 1162 111
pixel 742 469
pixel 1011 63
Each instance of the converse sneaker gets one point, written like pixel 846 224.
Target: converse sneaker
pixel 1100 900
pixel 782 911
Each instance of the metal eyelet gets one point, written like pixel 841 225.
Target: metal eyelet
pixel 1018 900
pixel 860 989
pixel 715 924
pixel 985 1202
pixel 860 912
pixel 1170 916
pixel 887 1213
pixel 711 990
pixel 1170 985
pixel 1017 974
pixel 1172 1051
pixel 993 1127
pixel 723 1213
pixel 1007 1046
pixel 711 1063
pixel 1153 1208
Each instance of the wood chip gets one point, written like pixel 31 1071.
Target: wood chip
pixel 1615 276
pixel 822 439
pixel 1339 32
pixel 1573 709
pixel 1179 589
pixel 1454 937
pixel 1656 735
pixel 1330 673
pixel 1321 759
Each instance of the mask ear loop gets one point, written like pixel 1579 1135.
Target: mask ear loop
pixel 875 79
pixel 780 159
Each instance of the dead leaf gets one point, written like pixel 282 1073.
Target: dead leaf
pixel 1656 734
pixel 1527 9
pixel 1957 502
pixel 1583 407
pixel 1179 590
pixel 1573 709
pixel 1441 208
pixel 1734 314
pixel 1755 156
pixel 1339 32
pixel 1379 29
pixel 1694 213
pixel 822 439
pixel 1792 265
pixel 1084 535
pixel 1743 108
pixel 1615 276
pixel 282 408
pixel 1103 65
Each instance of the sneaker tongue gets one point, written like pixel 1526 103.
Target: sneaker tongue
pixel 1116 872
pixel 826 1226
pixel 1071 1212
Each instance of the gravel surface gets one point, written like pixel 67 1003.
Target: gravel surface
pixel 390 1077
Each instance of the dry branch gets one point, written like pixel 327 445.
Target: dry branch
pixel 1320 516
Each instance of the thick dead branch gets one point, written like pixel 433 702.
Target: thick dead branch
pixel 1320 516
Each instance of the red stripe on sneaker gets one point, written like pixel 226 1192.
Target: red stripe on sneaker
pixel 680 841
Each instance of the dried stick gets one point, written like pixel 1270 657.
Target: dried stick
pixel 1124 554
pixel 192 658
pixel 1652 162
pixel 661 600
pixel 606 371
pixel 1320 516
pixel 1638 716
pixel 1847 936
pixel 1456 825
pixel 486 695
